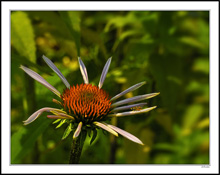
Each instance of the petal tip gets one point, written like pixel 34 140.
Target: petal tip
pixel 22 67
pixel 141 143
pixel 143 82
pixel 45 58
pixel 25 123
pixel 151 108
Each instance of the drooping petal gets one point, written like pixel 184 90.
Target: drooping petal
pixel 83 71
pixel 62 114
pixel 104 72
pixel 37 114
pixel 56 70
pixel 128 107
pixel 55 117
pixel 125 134
pixel 132 88
pixel 132 112
pixel 78 130
pixel 105 127
pixel 134 99
pixel 40 79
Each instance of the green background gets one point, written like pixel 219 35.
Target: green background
pixel 167 49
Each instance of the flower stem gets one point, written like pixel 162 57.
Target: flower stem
pixel 77 146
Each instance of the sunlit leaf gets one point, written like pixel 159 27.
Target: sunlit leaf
pixel 67 131
pixel 191 41
pixel 204 123
pixel 202 65
pixel 22 35
pixel 192 115
pixel 61 123
pixel 56 121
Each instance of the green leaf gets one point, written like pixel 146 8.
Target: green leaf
pixel 23 140
pixel 192 115
pixel 56 121
pixel 201 65
pixel 89 132
pixel 22 35
pixel 191 41
pixel 67 131
pixel 93 136
pixel 72 21
pixel 61 123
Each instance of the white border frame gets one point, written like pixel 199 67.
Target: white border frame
pixel 211 6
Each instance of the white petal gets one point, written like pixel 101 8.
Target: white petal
pixel 132 88
pixel 40 79
pixel 56 70
pixel 83 71
pixel 104 72
pixel 126 134
pixel 134 99
pixel 128 107
pixel 78 130
pixel 131 112
pixel 105 127
pixel 37 114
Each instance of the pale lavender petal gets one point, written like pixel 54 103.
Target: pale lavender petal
pixel 105 127
pixel 134 99
pixel 37 114
pixel 125 134
pixel 56 70
pixel 128 107
pixel 40 79
pixel 55 117
pixel 104 72
pixel 132 88
pixel 83 71
pixel 132 112
pixel 78 130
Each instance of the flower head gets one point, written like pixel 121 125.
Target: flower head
pixel 86 106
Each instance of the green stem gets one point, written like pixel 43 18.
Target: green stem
pixel 76 149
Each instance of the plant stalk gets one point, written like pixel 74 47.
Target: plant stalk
pixel 77 147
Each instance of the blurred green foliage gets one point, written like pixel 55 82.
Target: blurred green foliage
pixel 168 49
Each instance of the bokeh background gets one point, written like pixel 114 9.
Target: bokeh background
pixel 167 49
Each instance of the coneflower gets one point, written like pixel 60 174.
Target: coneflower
pixel 86 107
